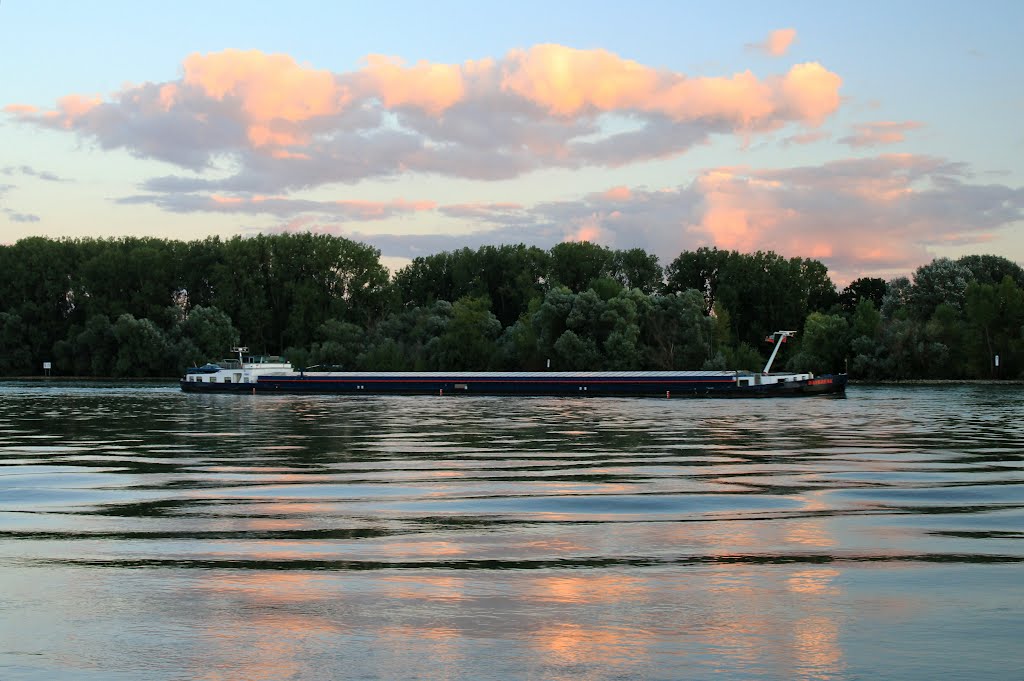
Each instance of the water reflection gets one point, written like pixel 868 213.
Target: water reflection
pixel 816 651
pixel 325 537
pixel 589 587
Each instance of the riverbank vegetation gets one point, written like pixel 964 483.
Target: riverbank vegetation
pixel 139 307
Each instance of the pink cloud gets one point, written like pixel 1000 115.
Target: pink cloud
pixel 568 82
pixel 476 210
pixel 876 216
pixel 22 109
pixel 618 194
pixel 741 98
pixel 806 138
pixel 275 93
pixel 777 43
pixel 863 215
pixel 879 133
pixel 285 154
pixel 375 210
pixel 69 110
pixel 290 125
pixel 268 86
pixel 735 218
pixel 227 200
pixel 282 206
pixel 588 229
pixel 780 40
pixel 810 93
pixel 430 87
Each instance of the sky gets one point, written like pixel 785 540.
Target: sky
pixel 873 136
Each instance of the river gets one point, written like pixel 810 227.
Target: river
pixel 149 534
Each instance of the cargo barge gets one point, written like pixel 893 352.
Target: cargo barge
pixel 257 375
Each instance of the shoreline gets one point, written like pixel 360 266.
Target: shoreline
pixel 939 381
pixel 105 379
pixel 853 381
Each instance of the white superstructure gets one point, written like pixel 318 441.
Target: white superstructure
pixel 242 370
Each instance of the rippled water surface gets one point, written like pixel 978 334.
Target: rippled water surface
pixel 148 534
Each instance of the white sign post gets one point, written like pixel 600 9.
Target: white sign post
pixel 46 367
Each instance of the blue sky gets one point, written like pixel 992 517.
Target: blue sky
pixel 900 143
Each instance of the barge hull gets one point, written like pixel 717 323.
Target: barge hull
pixel 356 384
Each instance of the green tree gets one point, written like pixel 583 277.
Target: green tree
pixel 823 345
pixel 241 283
pixel 142 348
pixel 606 288
pixel 15 358
pixel 209 331
pixel 762 291
pixel 36 287
pixel 469 339
pixel 866 356
pixel 575 264
pixel 866 288
pixel 88 350
pixel 992 269
pixel 866 320
pixel 549 321
pixel 408 340
pixel 721 330
pixel 621 316
pixel 573 353
pixel 896 301
pixel 509 276
pixel 675 333
pixel 944 335
pixel 995 315
pixel 280 289
pixel 940 281
pixel 699 270
pixel 636 268
pixel 339 345
pixel 816 288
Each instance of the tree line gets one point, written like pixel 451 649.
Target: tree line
pixel 138 307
